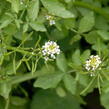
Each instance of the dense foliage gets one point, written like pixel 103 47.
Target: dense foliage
pixel 30 76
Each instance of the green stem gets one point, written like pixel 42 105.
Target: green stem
pixel 105 75
pixel 91 7
pixel 77 77
pixel 98 78
pixel 99 48
pixel 19 50
pixel 101 79
pixel 23 78
pixel 88 86
pixel 22 13
pixel 7 104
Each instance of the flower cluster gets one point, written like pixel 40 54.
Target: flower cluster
pixel 51 19
pixel 92 63
pixel 50 50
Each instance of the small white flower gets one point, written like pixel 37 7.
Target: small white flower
pixel 46 58
pixel 48 17
pixel 52 22
pixel 50 50
pixel 51 19
pixel 92 63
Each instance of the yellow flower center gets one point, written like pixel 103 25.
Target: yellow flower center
pixel 93 62
pixel 52 47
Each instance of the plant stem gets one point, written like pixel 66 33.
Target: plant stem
pixel 18 50
pixel 88 86
pixel 98 78
pixel 25 77
pixel 7 104
pixel 91 7
pixel 22 78
pixel 105 75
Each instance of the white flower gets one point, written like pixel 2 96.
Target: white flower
pixel 48 17
pixel 50 50
pixel 51 19
pixel 52 22
pixel 92 63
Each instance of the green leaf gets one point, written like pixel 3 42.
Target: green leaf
pixel 56 8
pixel 99 46
pixel 38 26
pixel 104 34
pixel 5 23
pixel 10 30
pixel 76 58
pixel 67 1
pixel 15 5
pixel 75 38
pixel 83 11
pixel 92 37
pixel 61 91
pixel 101 23
pixel 84 80
pixel 62 62
pixel 33 9
pixel 70 83
pixel 48 99
pixel 104 98
pixel 17 22
pixel 18 103
pixel 9 70
pixel 5 89
pixel 69 23
pixel 48 81
pixel 86 23
pixel 85 55
pixel 25 27
pixel 59 35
